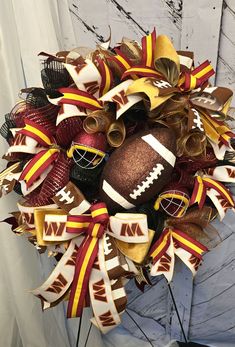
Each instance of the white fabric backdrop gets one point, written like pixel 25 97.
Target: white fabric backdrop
pixel 26 28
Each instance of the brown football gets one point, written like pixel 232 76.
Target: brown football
pixel 139 169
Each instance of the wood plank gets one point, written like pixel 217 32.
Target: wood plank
pixel 226 58
pixel 126 18
pixel 201 29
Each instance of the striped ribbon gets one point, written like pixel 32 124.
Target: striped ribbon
pixel 80 98
pixel 200 191
pixel 121 60
pixel 94 226
pixel 37 132
pixel 181 239
pixel 41 161
pixel 141 71
pixel 217 130
pixel 106 77
pixel 36 166
pixel 195 78
pixel 148 47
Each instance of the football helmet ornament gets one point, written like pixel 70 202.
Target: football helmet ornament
pixel 174 201
pixel 88 150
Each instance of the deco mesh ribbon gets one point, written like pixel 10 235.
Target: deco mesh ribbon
pixel 122 160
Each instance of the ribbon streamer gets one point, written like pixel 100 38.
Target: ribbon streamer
pixel 202 184
pixel 174 242
pixel 80 98
pixel 148 48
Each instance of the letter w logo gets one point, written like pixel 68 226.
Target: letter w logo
pixel 20 140
pixel 58 285
pixel 107 319
pixel 121 99
pixel 91 87
pixel 231 173
pixel 72 259
pixel 131 230
pixel 53 228
pixel 165 263
pixel 99 291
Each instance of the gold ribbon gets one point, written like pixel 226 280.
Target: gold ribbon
pixel 98 121
pixel 116 133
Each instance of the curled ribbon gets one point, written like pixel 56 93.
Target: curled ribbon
pixel 116 133
pixel 98 121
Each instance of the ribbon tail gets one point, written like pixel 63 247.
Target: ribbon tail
pixel 188 250
pixel 199 193
pixel 162 253
pixel 84 262
pixel 220 188
pixel 107 294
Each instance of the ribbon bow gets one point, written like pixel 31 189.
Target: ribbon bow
pixel 94 226
pixel 203 187
pixel 174 242
pixel 44 158
pixel 93 263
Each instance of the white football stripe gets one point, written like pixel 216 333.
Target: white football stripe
pixel 115 196
pixel 160 149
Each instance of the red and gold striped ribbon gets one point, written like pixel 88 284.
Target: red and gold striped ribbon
pixel 188 243
pixel 141 71
pixel 38 164
pixel 79 98
pixel 217 130
pixel 37 132
pixel 121 60
pixel 148 47
pixel 195 78
pixel 161 245
pixel 200 187
pixel 94 226
pixel 181 239
pixel 106 77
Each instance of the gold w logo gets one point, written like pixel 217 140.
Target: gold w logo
pixel 58 285
pixel 53 228
pixel 92 87
pixel 99 291
pixel 121 99
pixel 19 140
pixel 165 263
pixel 131 230
pixel 107 319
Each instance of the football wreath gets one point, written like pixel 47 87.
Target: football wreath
pixel 121 161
